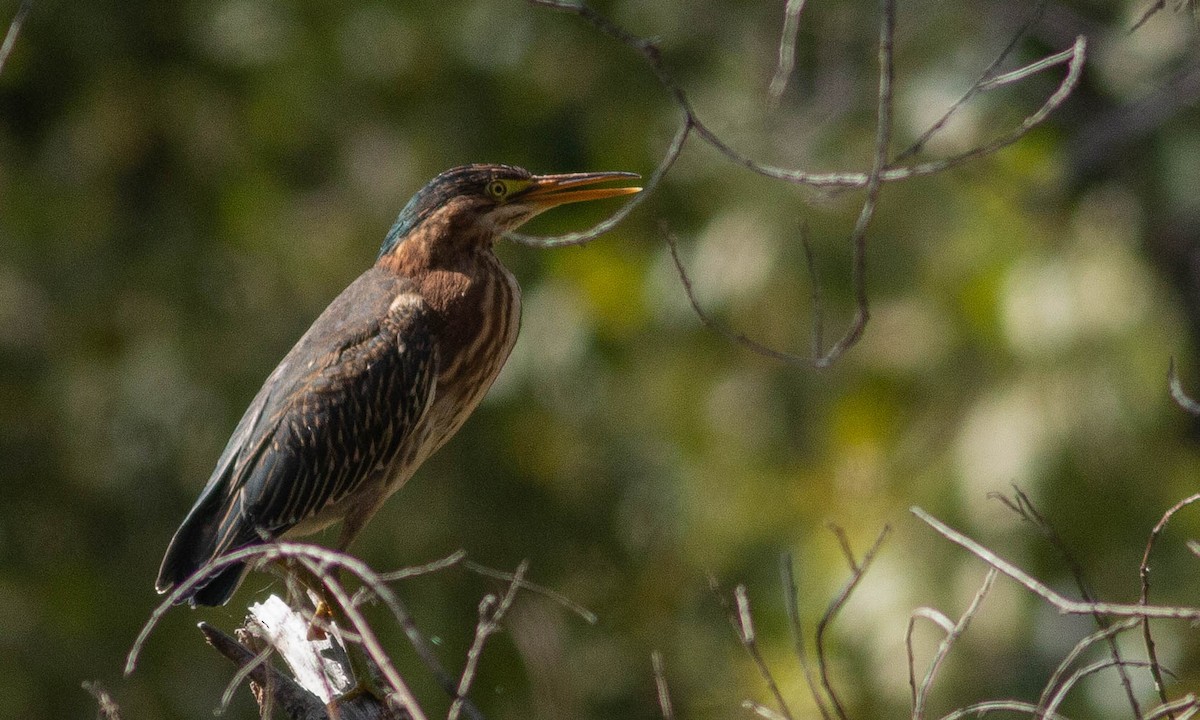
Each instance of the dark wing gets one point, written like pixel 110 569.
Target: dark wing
pixel 335 410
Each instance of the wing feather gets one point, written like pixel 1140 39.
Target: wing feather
pixel 336 410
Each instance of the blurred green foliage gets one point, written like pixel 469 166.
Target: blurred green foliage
pixel 183 186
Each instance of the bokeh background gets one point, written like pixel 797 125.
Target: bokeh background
pixel 184 186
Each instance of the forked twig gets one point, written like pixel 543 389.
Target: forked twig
pixel 882 170
pixel 1025 509
pixel 857 570
pixel 491 613
pixel 1144 598
pixel 920 693
pixel 1062 604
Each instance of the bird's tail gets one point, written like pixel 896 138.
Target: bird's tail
pixel 196 544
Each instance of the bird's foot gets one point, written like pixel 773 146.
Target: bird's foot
pixel 322 616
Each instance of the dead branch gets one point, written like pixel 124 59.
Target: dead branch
pixel 920 693
pixel 857 571
pixel 1144 598
pixel 792 605
pixel 297 702
pixel 883 169
pixel 787 50
pixel 1025 509
pixel 1062 604
pixel 491 612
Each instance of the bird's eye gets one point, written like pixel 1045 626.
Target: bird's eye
pixel 497 189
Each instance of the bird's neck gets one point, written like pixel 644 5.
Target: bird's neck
pixel 445 260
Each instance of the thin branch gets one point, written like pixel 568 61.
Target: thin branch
pixel 1178 394
pixel 1062 604
pixel 490 615
pixel 1080 674
pixel 1029 70
pixel 660 684
pixel 786 61
pixel 792 603
pixel 857 570
pixel 712 323
pixel 1056 688
pixel 14 29
pixel 449 561
pixel 1144 598
pixel 921 693
pixel 1025 509
pixel 587 615
pixel 579 238
pixel 981 709
pixel 1187 705
pixel 919 144
pixel 246 670
pixel 744 623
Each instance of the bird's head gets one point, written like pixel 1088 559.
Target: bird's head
pixel 476 204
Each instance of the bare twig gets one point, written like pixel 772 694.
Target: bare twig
pixel 744 622
pixel 1187 705
pixel 882 169
pixel 787 50
pixel 857 570
pixel 1025 509
pixel 792 603
pixel 1178 394
pixel 587 615
pixel 14 29
pixel 919 144
pixel 1144 598
pixel 579 238
pixel 491 613
pixel 1060 603
pixel 261 658
pixel 981 709
pixel 920 693
pixel 1053 696
pixel 660 684
pixel 449 561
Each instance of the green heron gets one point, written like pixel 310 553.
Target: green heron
pixel 383 378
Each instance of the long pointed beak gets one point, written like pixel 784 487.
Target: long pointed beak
pixel 552 190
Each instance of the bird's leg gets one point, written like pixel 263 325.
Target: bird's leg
pixel 328 611
pixel 362 667
pixel 315 585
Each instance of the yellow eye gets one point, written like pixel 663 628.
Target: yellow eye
pixel 497 189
